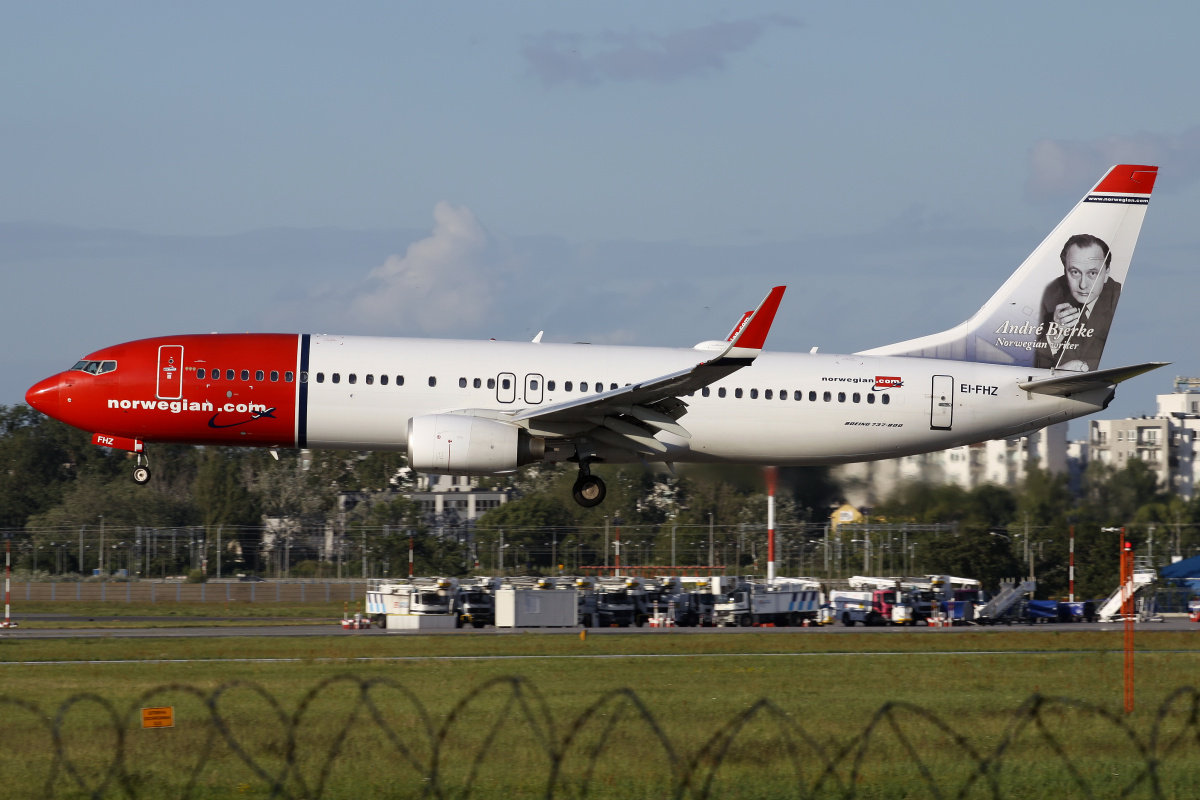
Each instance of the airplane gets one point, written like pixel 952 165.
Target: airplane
pixel 1027 359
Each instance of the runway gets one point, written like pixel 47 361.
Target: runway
pixel 333 629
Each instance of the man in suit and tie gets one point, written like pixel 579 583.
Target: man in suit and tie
pixel 1077 307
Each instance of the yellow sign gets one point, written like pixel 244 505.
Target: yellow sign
pixel 158 717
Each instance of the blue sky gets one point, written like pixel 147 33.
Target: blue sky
pixel 618 172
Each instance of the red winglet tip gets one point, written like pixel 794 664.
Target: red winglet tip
pixel 755 333
pixel 1128 179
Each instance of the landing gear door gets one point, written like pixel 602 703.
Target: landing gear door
pixel 941 409
pixel 506 387
pixel 170 372
pixel 533 389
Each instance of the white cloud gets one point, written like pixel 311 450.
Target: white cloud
pixel 1059 167
pixel 446 281
pixel 632 55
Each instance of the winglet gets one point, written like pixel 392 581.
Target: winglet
pixel 756 327
pixel 746 339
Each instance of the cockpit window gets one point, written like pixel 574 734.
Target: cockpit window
pixel 95 367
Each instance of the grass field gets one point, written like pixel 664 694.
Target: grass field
pixel 831 687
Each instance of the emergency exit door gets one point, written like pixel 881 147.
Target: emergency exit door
pixel 941 404
pixel 170 372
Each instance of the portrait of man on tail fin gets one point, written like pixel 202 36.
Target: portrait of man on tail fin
pixel 1077 307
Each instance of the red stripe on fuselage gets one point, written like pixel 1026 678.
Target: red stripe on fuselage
pixel 246 412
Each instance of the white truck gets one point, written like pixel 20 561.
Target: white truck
pixel 782 602
pixel 419 604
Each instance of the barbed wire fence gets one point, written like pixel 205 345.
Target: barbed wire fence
pixel 429 755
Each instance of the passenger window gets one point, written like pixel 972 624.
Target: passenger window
pixel 383 380
pixel 462 383
pixel 370 379
pixel 798 396
pixel 491 384
pixel 870 399
pixel 259 375
pixel 320 377
pixel 812 397
pixel 200 373
pixel 475 384
pixel 337 377
pixel 886 399
pixel 533 386
pixel 216 374
pixel 549 386
pixel 612 386
pixel 737 393
pixel 721 392
pixel 432 381
pixel 754 394
pixel 857 397
pixel 767 395
pixel 505 383
pixel 841 397
pixel 229 374
pixel 567 386
pixel 826 397
pixel 399 380
pixel 245 374
pixel 274 376
pixel 583 386
pixel 704 392
pixel 352 378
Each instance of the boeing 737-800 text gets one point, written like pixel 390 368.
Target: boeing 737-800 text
pixel 1027 359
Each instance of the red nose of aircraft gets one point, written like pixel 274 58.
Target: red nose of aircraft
pixel 43 396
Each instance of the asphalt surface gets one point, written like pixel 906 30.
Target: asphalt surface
pixel 334 629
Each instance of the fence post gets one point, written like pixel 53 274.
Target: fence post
pixel 79 591
pixel 53 586
pixel 276 591
pixel 302 592
pixel 178 592
pixel 227 592
pixel 103 590
pixel 326 591
pixel 129 591
pixel 252 587
pixel 203 594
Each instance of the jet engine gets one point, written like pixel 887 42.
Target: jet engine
pixel 457 444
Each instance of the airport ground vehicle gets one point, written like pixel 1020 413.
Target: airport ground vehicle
pixel 421 603
pixel 785 601
pixel 875 607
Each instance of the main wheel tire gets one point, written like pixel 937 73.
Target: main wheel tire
pixel 589 491
pixel 794 620
pixel 141 475
pixel 745 621
pixel 846 621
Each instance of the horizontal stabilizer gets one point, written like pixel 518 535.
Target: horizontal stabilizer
pixel 1087 381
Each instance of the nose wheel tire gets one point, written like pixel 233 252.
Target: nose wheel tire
pixel 141 475
pixel 589 491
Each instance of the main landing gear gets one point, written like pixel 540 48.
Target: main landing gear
pixel 589 489
pixel 141 472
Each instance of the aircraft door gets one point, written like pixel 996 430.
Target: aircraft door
pixel 506 387
pixel 170 372
pixel 533 388
pixel 941 403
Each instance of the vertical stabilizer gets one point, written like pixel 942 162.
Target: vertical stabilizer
pixel 1055 311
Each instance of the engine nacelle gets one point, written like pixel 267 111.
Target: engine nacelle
pixel 456 444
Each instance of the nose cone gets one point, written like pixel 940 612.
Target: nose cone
pixel 43 396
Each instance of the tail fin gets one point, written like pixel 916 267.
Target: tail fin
pixel 1055 311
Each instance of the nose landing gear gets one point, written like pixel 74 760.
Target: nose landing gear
pixel 589 489
pixel 141 472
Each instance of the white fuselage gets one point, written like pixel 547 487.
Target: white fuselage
pixel 834 421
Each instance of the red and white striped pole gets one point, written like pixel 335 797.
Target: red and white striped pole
pixel 771 475
pixel 7 579
pixel 1071 567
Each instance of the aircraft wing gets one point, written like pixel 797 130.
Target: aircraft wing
pixel 631 416
pixel 1075 383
